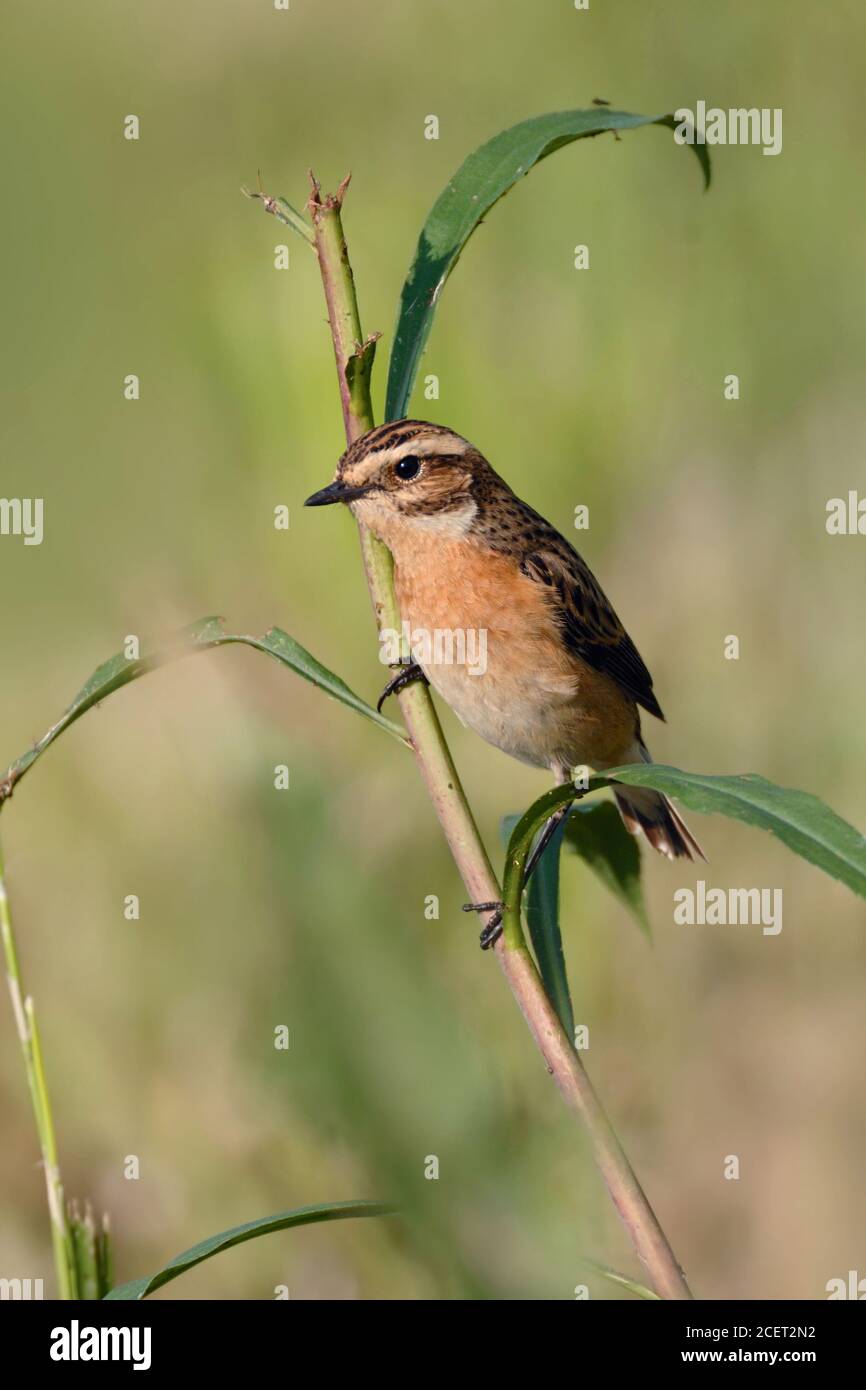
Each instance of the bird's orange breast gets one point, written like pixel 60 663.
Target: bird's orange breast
pixel 456 583
pixel 522 689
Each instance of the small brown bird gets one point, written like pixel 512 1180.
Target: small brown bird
pixel 561 680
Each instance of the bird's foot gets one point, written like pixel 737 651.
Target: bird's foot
pixel 405 676
pixel 493 930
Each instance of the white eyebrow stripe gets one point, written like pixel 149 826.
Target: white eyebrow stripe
pixel 423 448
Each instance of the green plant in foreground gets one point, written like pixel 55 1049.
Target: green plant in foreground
pixel 594 831
pixel 28 1035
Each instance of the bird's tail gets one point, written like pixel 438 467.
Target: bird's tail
pixel 643 809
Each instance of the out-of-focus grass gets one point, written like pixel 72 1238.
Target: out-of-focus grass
pixel 307 907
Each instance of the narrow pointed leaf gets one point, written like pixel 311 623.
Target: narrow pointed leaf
pixel 596 833
pixel 201 636
pixel 799 819
pixel 541 906
pixel 237 1235
pixel 542 919
pixel 483 178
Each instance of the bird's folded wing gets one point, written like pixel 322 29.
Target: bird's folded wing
pixel 589 625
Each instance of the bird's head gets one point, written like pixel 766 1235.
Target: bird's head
pixel 405 475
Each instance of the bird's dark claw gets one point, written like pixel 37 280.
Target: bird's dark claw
pixel 493 930
pixel 405 676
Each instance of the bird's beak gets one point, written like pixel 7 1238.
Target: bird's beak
pixel 334 492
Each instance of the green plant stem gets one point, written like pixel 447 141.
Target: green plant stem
pixel 31 1047
pixel 353 356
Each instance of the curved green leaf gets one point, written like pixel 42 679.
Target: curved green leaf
pixel 488 174
pixel 519 845
pixel 200 636
pixel 283 1221
pixel 801 821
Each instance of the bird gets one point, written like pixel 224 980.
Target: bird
pixel 562 684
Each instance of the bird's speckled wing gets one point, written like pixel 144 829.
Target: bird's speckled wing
pixel 589 624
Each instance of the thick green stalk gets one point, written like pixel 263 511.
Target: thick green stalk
pixel 354 356
pixel 31 1047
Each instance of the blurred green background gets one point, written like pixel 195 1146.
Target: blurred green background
pixel 306 907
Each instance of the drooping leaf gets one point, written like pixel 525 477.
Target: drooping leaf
pixel 542 919
pixel 201 636
pixel 595 832
pixel 483 178
pixel 283 1221
pixel 541 907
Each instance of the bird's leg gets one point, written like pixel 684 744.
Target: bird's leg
pixel 405 676
pixel 544 839
pixel 493 930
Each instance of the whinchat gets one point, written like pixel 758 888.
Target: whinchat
pixel 563 680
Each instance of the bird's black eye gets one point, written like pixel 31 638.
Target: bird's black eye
pixel 407 468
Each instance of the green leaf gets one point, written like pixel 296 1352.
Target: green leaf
pixel 488 174
pixel 595 831
pixel 200 636
pixel 542 919
pixel 802 822
pixel 301 1216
